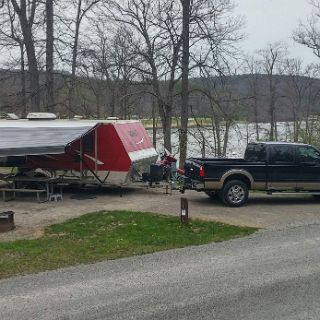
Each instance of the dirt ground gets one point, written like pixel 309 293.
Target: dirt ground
pixel 263 211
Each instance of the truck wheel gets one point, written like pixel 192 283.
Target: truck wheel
pixel 235 193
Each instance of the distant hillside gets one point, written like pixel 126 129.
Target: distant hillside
pixel 286 95
pixel 239 88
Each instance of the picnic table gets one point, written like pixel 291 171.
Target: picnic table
pixel 13 186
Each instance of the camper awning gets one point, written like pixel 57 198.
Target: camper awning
pixel 21 138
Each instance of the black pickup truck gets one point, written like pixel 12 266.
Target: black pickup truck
pixel 273 167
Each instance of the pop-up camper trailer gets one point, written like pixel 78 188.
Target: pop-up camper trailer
pixel 95 152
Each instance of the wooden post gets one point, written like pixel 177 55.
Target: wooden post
pixel 184 212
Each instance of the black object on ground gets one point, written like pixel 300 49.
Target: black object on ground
pixel 6 221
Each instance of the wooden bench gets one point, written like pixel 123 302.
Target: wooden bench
pixel 10 190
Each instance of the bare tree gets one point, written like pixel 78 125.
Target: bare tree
pixel 26 11
pixel 71 16
pixel 224 101
pixel 156 26
pixel 108 66
pixel 271 62
pixel 214 32
pixel 50 104
pixel 310 132
pixel 11 37
pixel 296 86
pixel 159 31
pixel 308 34
pixel 253 70
pixel 186 5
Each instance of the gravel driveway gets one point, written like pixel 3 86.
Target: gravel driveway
pixel 262 211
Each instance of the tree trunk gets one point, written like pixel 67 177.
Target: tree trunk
pixel 154 125
pixel 98 112
pixel 72 82
pixel 272 122
pixel 98 104
pixel 294 127
pixel 218 135
pixel 34 86
pixel 166 126
pixel 185 83
pixel 256 119
pixel 23 95
pixel 165 116
pixel 50 105
pixel 226 139
pixel 113 103
pixel 26 24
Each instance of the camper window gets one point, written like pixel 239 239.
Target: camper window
pixel 88 143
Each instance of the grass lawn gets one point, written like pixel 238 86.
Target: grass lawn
pixel 108 235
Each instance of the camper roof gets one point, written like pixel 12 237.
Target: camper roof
pixel 24 137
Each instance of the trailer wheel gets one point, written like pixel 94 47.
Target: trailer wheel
pixel 235 193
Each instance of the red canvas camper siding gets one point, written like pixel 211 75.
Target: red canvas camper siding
pixel 111 150
pixel 133 137
pixel 114 142
pixel 66 161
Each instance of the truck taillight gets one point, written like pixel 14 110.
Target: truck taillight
pixel 201 173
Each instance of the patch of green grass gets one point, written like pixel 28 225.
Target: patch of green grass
pixel 108 235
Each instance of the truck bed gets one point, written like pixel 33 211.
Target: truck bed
pixel 215 167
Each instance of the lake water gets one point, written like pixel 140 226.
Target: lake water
pixel 240 134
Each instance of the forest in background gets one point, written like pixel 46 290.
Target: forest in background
pixel 252 106
pixel 157 59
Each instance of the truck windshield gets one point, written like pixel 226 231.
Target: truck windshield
pixel 256 153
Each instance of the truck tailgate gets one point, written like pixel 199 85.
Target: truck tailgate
pixel 192 169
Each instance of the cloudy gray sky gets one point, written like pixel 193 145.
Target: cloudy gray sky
pixel 269 21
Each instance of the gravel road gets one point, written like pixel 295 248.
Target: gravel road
pixel 274 274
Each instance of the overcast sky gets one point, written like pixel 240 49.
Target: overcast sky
pixel 269 21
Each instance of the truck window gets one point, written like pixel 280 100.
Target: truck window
pixel 283 154
pixel 256 153
pixel 308 154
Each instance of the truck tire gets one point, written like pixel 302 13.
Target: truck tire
pixel 235 193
